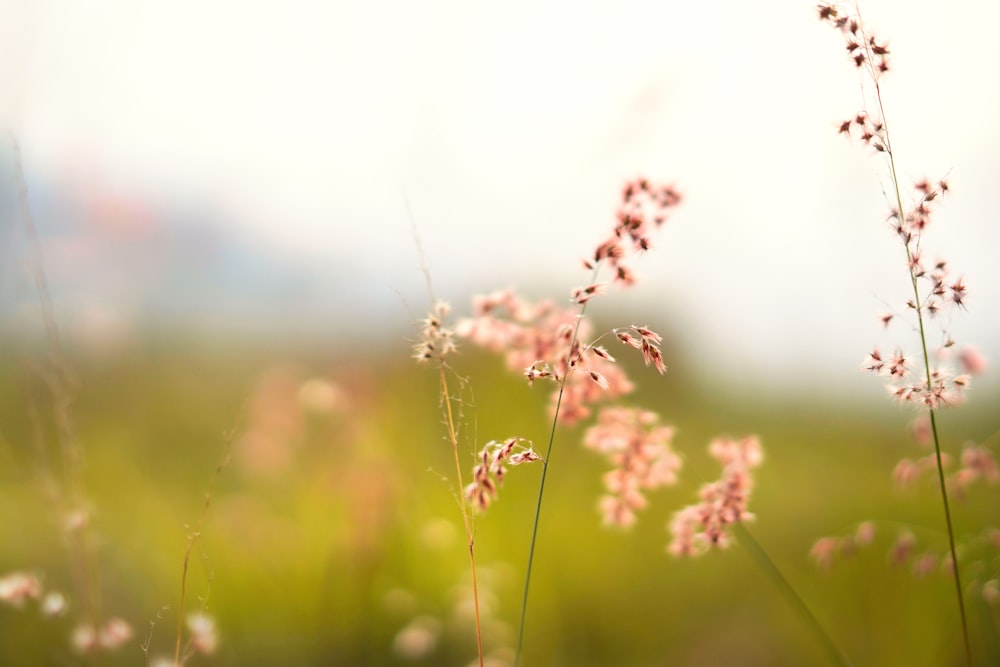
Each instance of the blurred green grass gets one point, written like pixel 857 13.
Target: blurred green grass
pixel 332 529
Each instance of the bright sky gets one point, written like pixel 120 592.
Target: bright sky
pixel 508 128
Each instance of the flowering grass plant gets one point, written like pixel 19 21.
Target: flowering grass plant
pixel 933 378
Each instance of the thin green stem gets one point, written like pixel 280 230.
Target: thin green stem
pixel 534 530
pixel 541 484
pixel 951 541
pixel 928 374
pixel 196 534
pixel 764 561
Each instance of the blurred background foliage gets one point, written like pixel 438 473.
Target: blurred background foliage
pixel 228 245
pixel 334 535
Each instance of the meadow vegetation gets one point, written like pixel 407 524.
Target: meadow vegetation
pixel 538 490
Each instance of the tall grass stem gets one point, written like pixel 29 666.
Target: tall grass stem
pixel 927 371
pixel 541 485
pixel 466 519
pixel 196 535
pixel 765 563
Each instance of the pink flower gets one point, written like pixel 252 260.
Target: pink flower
pixel 489 473
pixel 865 533
pixel 920 430
pixel 538 341
pixel 902 549
pixel 824 551
pixel 977 462
pixel 639 448
pixel 905 472
pixel 924 565
pixel 645 340
pixel 641 204
pixel 17 587
pixel 702 526
pixel 973 362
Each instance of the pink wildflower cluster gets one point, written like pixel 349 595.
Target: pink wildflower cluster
pixel 976 463
pixel 940 292
pixel 909 470
pixel 902 551
pixel 17 588
pixel 905 550
pixel 697 528
pixel 639 448
pixel 868 131
pixel 863 48
pixel 866 52
pixel 489 473
pixel 826 549
pixel 112 635
pixel 539 341
pixel 948 381
pixel 936 289
pixel 546 342
pixel 641 204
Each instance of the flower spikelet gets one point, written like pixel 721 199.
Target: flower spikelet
pixel 490 470
pixel 436 340
pixel 646 341
pixel 864 49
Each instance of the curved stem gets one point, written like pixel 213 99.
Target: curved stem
pixel 195 535
pixel 927 370
pixel 466 520
pixel 764 561
pixel 541 484
pixel 453 440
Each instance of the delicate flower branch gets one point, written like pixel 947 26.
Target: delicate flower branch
pixel 547 342
pixel 489 473
pixel 933 288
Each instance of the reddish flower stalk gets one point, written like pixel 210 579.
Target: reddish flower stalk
pixel 436 342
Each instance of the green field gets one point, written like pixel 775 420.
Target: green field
pixel 334 524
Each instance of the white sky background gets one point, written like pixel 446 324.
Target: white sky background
pixel 509 129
